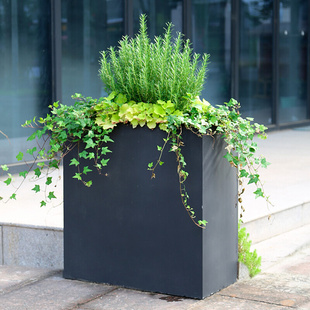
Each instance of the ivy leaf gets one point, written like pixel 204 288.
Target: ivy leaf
pixel 13 196
pixel 36 188
pixel 31 151
pixel 259 193
pixel 8 181
pixel 74 162
pixel 104 162
pixel 51 195
pixel 4 167
pixel 77 176
pixel 23 173
pixel 264 163
pixel 105 150
pixel 43 203
pixel 106 139
pixel 91 155
pixel 83 154
pixel 243 173
pixel 37 172
pixel 53 164
pixel 90 143
pixel 254 178
pixel 89 183
pixel 19 156
pixel 48 180
pixel 86 170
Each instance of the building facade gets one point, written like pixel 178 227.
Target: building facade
pixel 49 49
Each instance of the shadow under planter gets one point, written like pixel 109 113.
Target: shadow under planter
pixel 133 231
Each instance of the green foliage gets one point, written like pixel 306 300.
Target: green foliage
pixel 146 71
pixel 153 84
pixel 245 255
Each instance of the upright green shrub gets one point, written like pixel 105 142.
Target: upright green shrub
pixel 146 71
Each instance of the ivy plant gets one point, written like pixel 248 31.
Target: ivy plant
pixel 151 84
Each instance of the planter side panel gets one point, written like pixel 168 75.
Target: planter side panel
pixel 131 230
pixel 220 238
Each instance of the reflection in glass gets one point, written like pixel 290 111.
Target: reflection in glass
pixel 25 70
pixel 255 65
pixel 159 13
pixel 88 27
pixel 293 55
pixel 211 29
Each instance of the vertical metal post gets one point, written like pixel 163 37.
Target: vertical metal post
pixel 235 27
pixel 56 49
pixel 275 61
pixel 187 19
pixel 128 15
pixel 308 64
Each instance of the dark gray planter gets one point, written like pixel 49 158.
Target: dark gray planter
pixel 133 231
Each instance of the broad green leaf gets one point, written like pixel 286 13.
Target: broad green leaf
pixel 120 99
pixel 43 203
pixel 48 180
pixel 151 124
pixel 13 196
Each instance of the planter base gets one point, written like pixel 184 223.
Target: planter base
pixel 133 231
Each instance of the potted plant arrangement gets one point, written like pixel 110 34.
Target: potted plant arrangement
pixel 161 215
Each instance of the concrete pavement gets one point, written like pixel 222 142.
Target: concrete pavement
pixel 283 284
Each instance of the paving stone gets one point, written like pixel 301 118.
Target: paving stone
pixel 126 299
pixel 218 302
pixel 53 293
pixel 14 277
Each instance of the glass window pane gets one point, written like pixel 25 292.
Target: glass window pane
pixel 255 65
pixel 293 55
pixel 211 29
pixel 159 13
pixel 25 70
pixel 88 27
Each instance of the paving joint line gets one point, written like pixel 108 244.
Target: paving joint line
pixel 85 302
pixel 256 300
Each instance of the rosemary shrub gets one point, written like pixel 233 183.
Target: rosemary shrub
pixel 148 71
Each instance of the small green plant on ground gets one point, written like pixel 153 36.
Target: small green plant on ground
pixel 152 84
pixel 249 258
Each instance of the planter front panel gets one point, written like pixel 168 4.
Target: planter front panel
pixel 133 231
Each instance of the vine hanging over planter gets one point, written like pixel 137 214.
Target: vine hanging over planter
pixel 149 84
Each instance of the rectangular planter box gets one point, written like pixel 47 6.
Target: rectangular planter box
pixel 133 231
